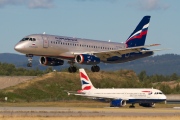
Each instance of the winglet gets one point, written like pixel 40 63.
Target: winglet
pixel 155 44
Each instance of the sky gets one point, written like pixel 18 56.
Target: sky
pixel 103 20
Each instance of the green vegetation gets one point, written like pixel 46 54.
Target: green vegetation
pixel 168 84
pixel 52 86
pixel 10 70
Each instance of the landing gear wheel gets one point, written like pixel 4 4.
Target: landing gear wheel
pixel 132 106
pixel 29 65
pixel 72 69
pixel 95 68
pixel 29 60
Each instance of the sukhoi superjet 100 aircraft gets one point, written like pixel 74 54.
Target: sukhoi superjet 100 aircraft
pixel 118 97
pixel 55 49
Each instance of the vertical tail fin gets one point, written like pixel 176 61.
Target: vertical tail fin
pixel 138 37
pixel 85 81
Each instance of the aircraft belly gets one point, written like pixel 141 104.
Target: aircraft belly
pixel 144 100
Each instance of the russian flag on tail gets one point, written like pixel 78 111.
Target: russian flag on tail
pixel 138 36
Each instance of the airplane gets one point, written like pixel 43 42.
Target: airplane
pixel 119 97
pixel 55 49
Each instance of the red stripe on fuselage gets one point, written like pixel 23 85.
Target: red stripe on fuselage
pixel 146 91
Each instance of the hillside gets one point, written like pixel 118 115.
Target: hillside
pixel 162 64
pixel 50 87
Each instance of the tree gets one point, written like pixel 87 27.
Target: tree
pixel 142 76
pixel 174 76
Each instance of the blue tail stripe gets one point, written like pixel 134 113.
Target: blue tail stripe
pixel 133 41
pixel 83 82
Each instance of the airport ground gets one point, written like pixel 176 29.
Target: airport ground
pixel 83 110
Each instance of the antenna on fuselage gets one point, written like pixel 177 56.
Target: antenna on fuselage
pixel 44 32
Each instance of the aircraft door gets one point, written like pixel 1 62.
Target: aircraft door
pixel 45 42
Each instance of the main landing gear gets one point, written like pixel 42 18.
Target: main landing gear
pixel 73 69
pixel 29 60
pixel 95 68
pixel 132 105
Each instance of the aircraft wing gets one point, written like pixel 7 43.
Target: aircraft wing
pixel 107 54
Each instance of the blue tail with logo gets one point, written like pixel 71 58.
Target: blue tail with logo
pixel 138 37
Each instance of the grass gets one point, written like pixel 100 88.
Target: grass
pixel 76 103
pixel 50 87
pixel 94 118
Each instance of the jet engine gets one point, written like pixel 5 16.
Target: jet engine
pixel 117 103
pixel 147 104
pixel 87 59
pixel 48 61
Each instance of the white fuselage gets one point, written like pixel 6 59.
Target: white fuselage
pixel 139 94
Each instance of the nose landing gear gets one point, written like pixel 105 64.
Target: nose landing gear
pixel 29 60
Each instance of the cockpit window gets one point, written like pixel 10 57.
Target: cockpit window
pixel 29 39
pixel 24 39
pixel 158 93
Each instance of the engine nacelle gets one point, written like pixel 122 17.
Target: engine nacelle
pixel 48 61
pixel 87 59
pixel 147 104
pixel 117 103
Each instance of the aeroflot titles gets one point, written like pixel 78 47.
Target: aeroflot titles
pixel 67 39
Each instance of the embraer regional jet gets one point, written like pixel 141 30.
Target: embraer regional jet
pixel 55 49
pixel 118 97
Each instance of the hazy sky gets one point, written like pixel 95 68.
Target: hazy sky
pixel 94 19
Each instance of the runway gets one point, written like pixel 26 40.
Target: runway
pixel 81 111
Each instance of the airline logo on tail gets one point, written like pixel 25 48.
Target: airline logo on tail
pixel 138 37
pixel 85 81
pixel 139 34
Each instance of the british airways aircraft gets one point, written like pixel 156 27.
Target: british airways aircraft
pixel 146 97
pixel 55 49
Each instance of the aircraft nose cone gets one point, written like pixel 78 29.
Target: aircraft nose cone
pixel 163 97
pixel 18 47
